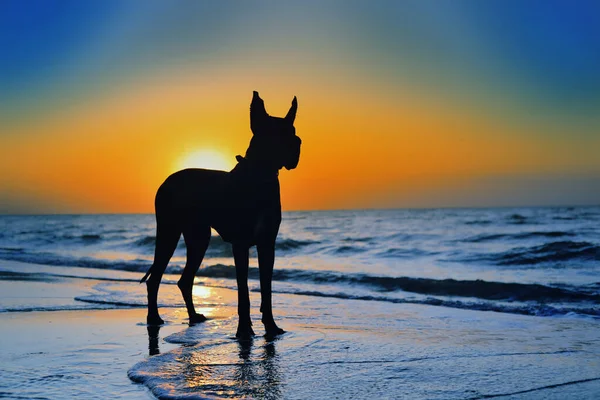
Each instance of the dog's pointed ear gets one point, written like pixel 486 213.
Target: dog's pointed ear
pixel 291 115
pixel 258 113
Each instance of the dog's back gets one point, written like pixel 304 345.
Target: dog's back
pixel 189 191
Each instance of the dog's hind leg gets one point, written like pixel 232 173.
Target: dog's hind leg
pixel 167 236
pixel 266 261
pixel 196 240
pixel 241 255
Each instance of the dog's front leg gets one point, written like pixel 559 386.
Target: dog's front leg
pixel 240 256
pixel 266 261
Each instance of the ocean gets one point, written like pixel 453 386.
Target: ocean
pixel 527 262
pixel 534 261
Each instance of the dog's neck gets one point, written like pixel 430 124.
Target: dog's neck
pixel 252 171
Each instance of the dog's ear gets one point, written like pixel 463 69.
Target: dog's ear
pixel 291 115
pixel 258 113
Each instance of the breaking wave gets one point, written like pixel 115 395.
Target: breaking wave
pixel 555 254
pixel 517 236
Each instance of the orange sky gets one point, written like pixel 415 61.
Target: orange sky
pixel 423 116
pixel 361 147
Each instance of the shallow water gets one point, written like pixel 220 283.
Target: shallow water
pixel 354 349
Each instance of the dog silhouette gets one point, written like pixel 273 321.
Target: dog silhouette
pixel 242 205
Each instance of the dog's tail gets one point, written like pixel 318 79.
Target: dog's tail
pixel 147 274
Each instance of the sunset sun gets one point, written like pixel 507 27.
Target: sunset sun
pixel 205 158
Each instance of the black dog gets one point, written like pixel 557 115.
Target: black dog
pixel 243 206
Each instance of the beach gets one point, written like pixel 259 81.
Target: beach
pixel 390 304
pixel 334 348
pixel 423 173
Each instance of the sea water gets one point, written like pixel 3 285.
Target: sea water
pixel 340 280
pixel 535 261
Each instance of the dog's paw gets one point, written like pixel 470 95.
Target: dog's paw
pixel 272 330
pixel 197 318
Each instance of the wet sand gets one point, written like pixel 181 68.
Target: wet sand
pixel 335 348
pixel 357 349
pixel 73 354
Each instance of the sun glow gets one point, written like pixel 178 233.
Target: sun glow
pixel 206 158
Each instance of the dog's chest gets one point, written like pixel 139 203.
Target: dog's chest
pixel 248 214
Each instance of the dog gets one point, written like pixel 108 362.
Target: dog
pixel 242 205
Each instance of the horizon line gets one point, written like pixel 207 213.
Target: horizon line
pixel 323 210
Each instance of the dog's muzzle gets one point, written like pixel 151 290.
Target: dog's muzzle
pixel 293 154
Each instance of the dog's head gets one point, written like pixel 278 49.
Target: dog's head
pixel 274 142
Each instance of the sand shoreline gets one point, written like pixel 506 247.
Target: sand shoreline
pixel 335 347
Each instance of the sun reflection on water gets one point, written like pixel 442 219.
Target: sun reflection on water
pixel 202 295
pixel 201 292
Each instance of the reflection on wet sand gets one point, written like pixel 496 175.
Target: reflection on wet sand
pixel 227 369
pixel 153 339
pixel 272 371
pixel 258 376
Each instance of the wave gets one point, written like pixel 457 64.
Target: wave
pixel 407 237
pixel 348 250
pixel 85 307
pixel 91 237
pixel 425 286
pixel 528 299
pixel 405 253
pixel 108 300
pixel 536 309
pixel 292 244
pixel 517 236
pixel 542 234
pixel 484 238
pixel 517 219
pixel 553 255
pixel 359 240
pixel 553 252
pixel 565 218
pixel 120 304
pixel 478 222
pixel 446 287
pixel 136 265
pixel 12 249
pixel 220 247
pixel 146 241
pixel 24 276
pixel 537 300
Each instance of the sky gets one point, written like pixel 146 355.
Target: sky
pixel 400 103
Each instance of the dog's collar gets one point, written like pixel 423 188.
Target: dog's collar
pixel 263 174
